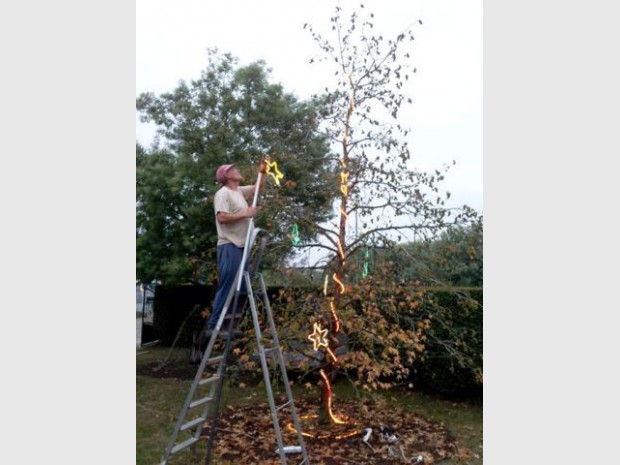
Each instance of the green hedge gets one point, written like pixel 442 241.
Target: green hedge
pixel 453 369
pixel 171 306
pixel 456 318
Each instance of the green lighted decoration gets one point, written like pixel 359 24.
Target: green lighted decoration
pixel 295 238
pixel 365 272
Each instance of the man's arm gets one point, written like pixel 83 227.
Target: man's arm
pixel 224 217
pixel 263 169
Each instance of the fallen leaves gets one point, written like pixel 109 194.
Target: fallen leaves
pixel 246 435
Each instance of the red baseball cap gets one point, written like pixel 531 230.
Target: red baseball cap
pixel 220 174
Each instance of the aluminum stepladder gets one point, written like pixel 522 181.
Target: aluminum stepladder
pixel 192 423
pixel 212 400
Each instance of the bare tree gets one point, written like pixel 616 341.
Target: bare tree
pixel 370 167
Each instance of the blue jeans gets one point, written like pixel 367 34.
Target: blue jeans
pixel 228 261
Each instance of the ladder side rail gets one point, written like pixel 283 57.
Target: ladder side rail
pixel 221 372
pixel 265 369
pixel 216 388
pixel 251 234
pixel 232 295
pixel 192 391
pixel 217 328
pixel 212 392
pixel 282 365
pixel 250 238
pixel 234 290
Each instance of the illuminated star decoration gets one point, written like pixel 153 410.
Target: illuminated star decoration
pixel 318 337
pixel 276 174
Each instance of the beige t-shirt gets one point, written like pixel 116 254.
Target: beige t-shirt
pixel 232 201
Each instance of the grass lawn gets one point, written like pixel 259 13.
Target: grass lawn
pixel 160 396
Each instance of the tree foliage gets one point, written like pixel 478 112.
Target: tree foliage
pixel 454 258
pixel 231 114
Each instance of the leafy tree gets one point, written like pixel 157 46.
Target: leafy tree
pixel 450 271
pixel 459 255
pixel 230 115
pixel 162 247
pixel 454 258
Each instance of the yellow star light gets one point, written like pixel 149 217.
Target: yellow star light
pixel 318 337
pixel 344 179
pixel 276 174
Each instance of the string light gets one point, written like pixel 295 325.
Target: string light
pixel 341 252
pixel 339 283
pixel 332 308
pixel 333 418
pixel 317 334
pixel 321 435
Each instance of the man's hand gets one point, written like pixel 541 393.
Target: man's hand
pixel 250 212
pixel 262 167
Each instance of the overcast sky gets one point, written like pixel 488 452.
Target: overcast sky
pixel 445 118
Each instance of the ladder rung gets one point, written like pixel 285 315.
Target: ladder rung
pixel 208 380
pixel 192 423
pixel 214 360
pixel 183 445
pixel 228 316
pixel 284 405
pixel 290 450
pixel 198 402
pixel 270 349
pixel 225 334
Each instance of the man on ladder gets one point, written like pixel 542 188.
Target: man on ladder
pixel 231 208
pixel 231 213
